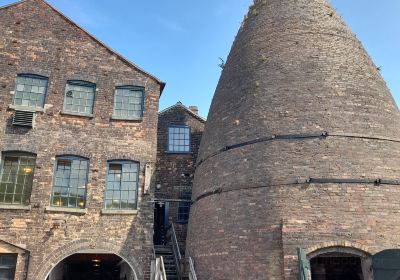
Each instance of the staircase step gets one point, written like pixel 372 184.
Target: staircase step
pixel 167 257
pixel 165 251
pixel 170 269
pixel 166 260
pixel 162 246
pixel 169 260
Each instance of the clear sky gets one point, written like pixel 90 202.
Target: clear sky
pixel 180 41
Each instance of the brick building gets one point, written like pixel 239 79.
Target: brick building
pixel 179 133
pixel 297 172
pixel 299 165
pixel 78 133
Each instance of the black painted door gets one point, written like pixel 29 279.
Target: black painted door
pixel 159 224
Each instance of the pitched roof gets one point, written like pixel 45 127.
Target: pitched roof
pixel 125 60
pixel 180 105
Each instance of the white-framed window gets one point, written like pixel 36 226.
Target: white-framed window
pixel 179 139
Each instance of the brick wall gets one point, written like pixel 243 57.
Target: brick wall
pixel 35 39
pixel 175 171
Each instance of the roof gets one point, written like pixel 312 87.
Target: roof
pixel 161 83
pixel 180 105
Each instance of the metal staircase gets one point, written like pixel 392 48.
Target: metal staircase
pixel 168 264
pixel 167 253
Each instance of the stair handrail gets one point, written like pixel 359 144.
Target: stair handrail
pixel 192 272
pixel 175 242
pixel 153 253
pixel 159 273
pixel 176 251
pixel 153 263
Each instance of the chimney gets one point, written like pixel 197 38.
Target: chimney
pixel 194 109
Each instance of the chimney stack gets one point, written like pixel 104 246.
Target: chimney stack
pixel 194 109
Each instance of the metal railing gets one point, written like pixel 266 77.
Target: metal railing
pixel 176 251
pixel 158 269
pixel 153 253
pixel 192 272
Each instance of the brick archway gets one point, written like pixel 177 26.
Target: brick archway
pixel 82 246
pixel 350 249
pixel 336 246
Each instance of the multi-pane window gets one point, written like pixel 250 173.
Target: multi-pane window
pixel 128 102
pixel 30 91
pixel 69 183
pixel 16 178
pixel 179 139
pixel 8 262
pixel 79 97
pixel 184 207
pixel 121 187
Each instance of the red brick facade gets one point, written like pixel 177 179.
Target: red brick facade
pixel 36 39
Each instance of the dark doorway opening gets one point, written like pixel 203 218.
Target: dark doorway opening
pixel 336 266
pixel 91 267
pixel 160 223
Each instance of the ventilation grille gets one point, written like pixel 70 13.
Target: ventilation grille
pixel 23 118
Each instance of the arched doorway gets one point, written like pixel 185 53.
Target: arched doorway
pixel 340 263
pixel 336 266
pixel 92 266
pixel 43 270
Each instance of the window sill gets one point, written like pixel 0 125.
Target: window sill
pixel 118 212
pixel 25 108
pixel 15 207
pixel 76 114
pixel 116 118
pixel 66 210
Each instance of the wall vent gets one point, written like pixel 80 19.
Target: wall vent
pixel 23 118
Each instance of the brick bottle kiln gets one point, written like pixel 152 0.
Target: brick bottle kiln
pixel 300 150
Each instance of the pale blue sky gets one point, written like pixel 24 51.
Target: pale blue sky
pixel 180 41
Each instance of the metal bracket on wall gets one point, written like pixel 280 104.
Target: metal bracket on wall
pixel 149 171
